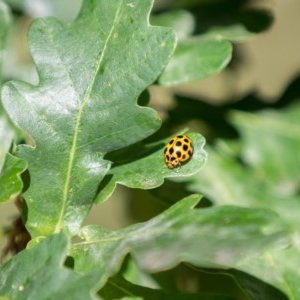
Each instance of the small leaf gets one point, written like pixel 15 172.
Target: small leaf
pixel 213 237
pixel 10 181
pixel 195 59
pixel 200 56
pixel 149 170
pixel 38 274
pixel 84 105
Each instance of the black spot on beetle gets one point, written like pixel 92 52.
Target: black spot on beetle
pixel 178 153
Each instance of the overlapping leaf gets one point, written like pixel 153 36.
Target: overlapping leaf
pixel 91 73
pixel 200 55
pixel 196 58
pixel 204 55
pixel 270 150
pixel 181 21
pixel 123 287
pixel 274 158
pixel 214 237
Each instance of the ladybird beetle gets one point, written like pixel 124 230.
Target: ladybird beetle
pixel 177 151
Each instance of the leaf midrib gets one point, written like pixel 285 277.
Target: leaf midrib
pixel 59 223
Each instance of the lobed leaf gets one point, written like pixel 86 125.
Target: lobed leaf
pixel 84 105
pixel 215 237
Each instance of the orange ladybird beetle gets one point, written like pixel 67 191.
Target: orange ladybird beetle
pixel 177 151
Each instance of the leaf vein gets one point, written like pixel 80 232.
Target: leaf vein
pixel 77 124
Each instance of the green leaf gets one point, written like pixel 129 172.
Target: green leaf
pixel 38 274
pixel 241 187
pixel 181 21
pixel 132 298
pixel 6 138
pixel 5 22
pixel 267 179
pixel 214 237
pixel 84 105
pixel 58 8
pixel 149 170
pixel 10 167
pixel 275 157
pixel 6 134
pixel 202 55
pixel 257 289
pixel 278 268
pixel 207 12
pixel 118 287
pixel 234 33
pixel 196 58
pixel 10 181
